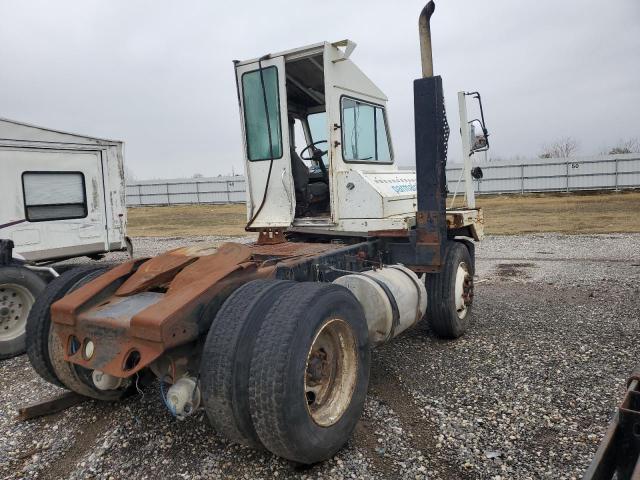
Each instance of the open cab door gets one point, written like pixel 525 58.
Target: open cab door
pixel 271 198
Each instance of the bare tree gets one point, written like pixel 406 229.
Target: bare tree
pixel 562 148
pixel 629 146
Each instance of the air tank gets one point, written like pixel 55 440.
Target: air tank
pixel 393 299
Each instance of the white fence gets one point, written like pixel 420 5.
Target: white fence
pixel 186 191
pixel 607 172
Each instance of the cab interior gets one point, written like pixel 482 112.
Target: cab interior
pixel 308 135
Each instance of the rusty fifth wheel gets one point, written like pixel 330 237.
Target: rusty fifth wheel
pixel 450 293
pixel 309 372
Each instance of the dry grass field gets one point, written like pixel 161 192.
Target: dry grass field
pixel 187 220
pixel 504 215
pixel 562 213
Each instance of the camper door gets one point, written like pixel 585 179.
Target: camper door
pixel 54 203
pixel 263 112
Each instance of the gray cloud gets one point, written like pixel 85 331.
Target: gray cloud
pixel 158 74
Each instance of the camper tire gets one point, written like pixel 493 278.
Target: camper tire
pixel 226 359
pixel 450 293
pixel 309 372
pixel 19 289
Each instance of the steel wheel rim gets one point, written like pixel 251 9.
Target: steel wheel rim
pixel 463 290
pixel 331 372
pixel 15 303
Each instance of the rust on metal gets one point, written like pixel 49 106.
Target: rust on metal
pixel 63 311
pixel 389 233
pixel 155 272
pixel 271 236
pixel 288 250
pixel 424 268
pixel 49 406
pixel 455 220
pixel 226 255
pixel 135 312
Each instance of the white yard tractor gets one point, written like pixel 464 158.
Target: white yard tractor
pixel 318 150
pixel 273 338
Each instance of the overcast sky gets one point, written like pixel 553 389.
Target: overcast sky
pixel 158 74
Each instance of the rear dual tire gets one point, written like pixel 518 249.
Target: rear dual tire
pixel 288 358
pixel 286 368
pixel 226 359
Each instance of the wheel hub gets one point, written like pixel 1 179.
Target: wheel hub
pixel 467 290
pixel 15 303
pixel 331 372
pixel 318 367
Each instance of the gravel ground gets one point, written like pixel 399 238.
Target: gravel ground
pixel 526 393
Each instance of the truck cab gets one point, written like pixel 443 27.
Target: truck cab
pixel 322 156
pixel 318 150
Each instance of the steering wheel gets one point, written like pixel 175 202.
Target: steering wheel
pixel 316 156
pixel 316 152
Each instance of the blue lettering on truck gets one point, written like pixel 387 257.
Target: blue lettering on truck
pixel 404 188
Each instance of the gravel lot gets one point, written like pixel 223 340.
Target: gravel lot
pixel 526 393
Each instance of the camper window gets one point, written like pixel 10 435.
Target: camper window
pixel 255 114
pixel 54 195
pixel 364 132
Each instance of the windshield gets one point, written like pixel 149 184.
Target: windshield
pixel 364 132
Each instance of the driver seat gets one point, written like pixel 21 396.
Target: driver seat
pixel 306 193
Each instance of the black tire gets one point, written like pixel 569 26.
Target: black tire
pixel 39 321
pixel 278 397
pixel 226 359
pixel 16 282
pixel 442 313
pixel 74 377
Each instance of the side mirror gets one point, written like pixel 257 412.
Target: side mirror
pixel 479 136
pixel 479 141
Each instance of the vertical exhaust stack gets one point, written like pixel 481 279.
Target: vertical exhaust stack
pixel 424 28
pixel 432 136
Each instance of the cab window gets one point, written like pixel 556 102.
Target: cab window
pixel 364 132
pixel 259 146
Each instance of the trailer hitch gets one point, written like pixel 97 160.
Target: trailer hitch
pixel 617 455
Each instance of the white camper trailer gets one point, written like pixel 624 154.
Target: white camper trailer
pixel 61 195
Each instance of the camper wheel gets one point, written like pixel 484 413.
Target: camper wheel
pixel 19 288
